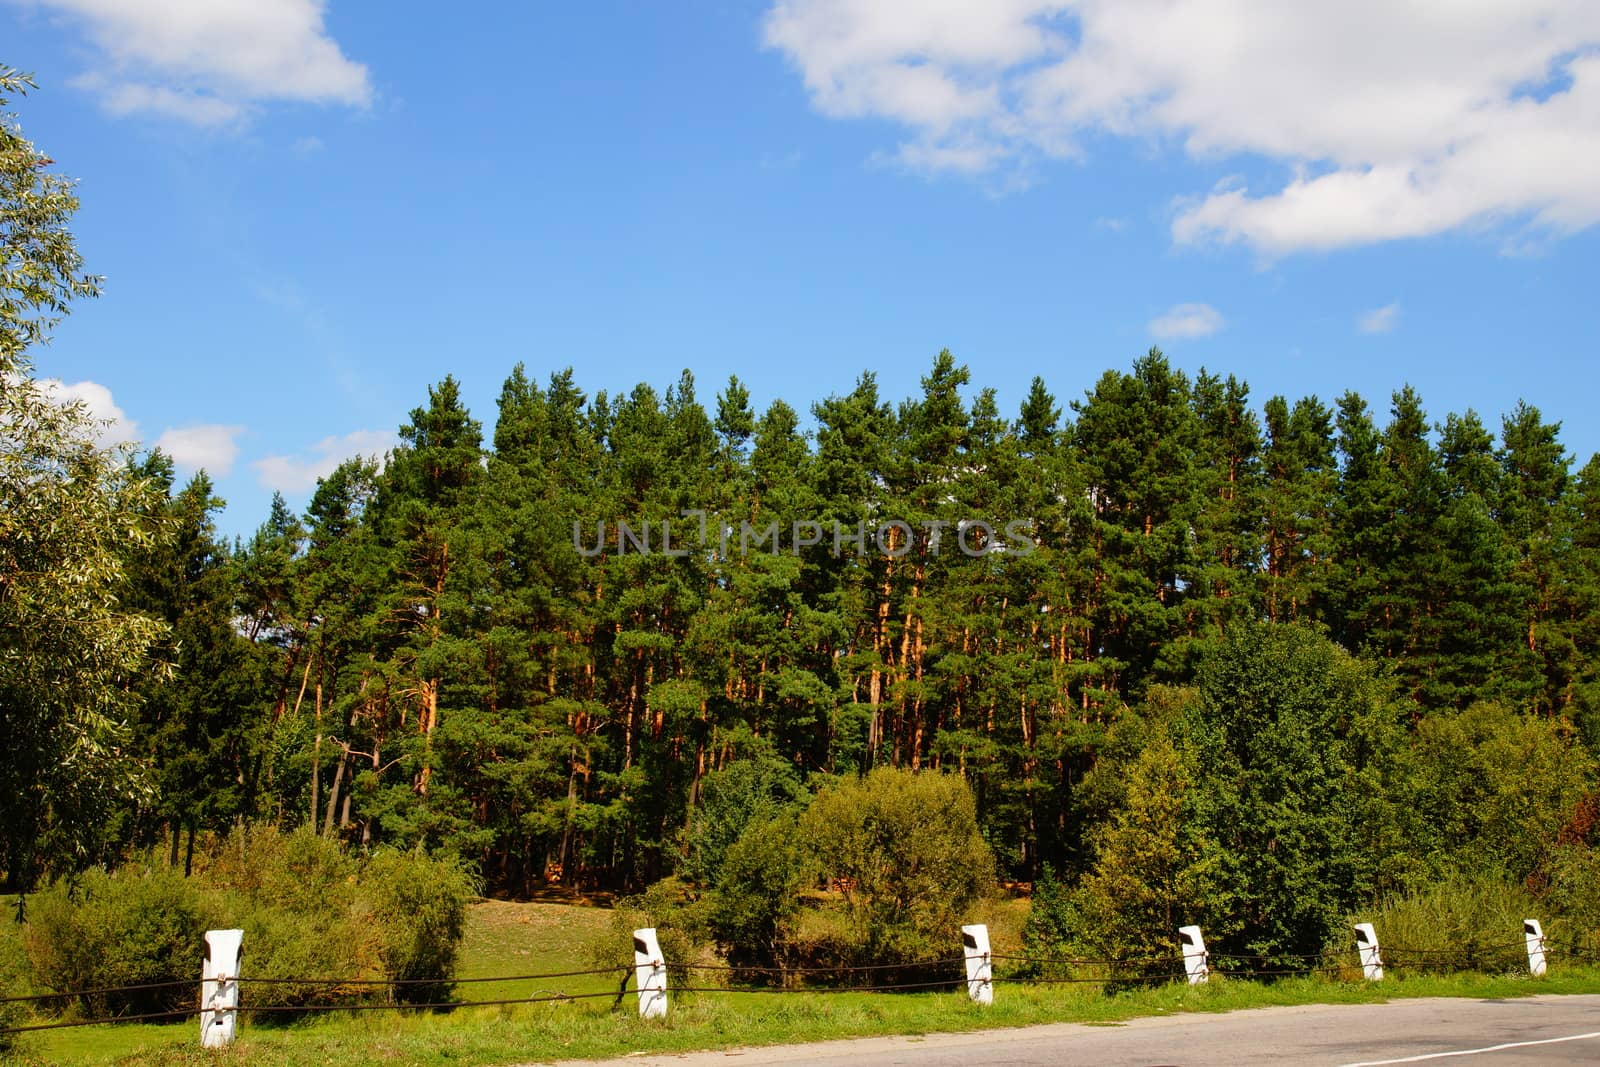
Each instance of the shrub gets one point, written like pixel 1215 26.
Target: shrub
pixel 757 897
pixel 1572 894
pixel 743 792
pixel 300 870
pixel 680 924
pixel 1155 869
pixel 136 926
pixel 13 983
pixel 419 904
pixel 295 897
pixel 309 910
pixel 281 944
pixel 1490 786
pixel 908 847
pixel 1052 921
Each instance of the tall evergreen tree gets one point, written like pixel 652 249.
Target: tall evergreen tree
pixel 418 512
pixel 1534 478
pixel 1301 478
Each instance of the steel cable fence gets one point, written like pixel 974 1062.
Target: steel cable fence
pixel 1020 970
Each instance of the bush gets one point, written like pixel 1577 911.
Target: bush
pixel 908 847
pixel 281 944
pixel 757 898
pixel 309 910
pixel 299 871
pixel 1052 921
pixel 419 904
pixel 1572 894
pixel 1155 869
pixel 13 983
pixel 1491 787
pixel 295 897
pixel 136 926
pixel 743 792
pixel 681 927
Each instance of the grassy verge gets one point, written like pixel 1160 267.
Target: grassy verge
pixel 587 1029
pixel 508 939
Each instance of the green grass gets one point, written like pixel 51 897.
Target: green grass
pixel 544 1032
pixel 532 938
pixel 503 938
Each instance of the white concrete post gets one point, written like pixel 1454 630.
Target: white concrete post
pixel 1196 960
pixel 1535 935
pixel 980 967
pixel 219 988
pixel 1367 949
pixel 650 973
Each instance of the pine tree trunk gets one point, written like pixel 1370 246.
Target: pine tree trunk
pixel 316 759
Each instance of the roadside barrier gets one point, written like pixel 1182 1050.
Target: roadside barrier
pixel 223 989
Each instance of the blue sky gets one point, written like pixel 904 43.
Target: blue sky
pixel 306 213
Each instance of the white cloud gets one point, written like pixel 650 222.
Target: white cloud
pixel 1379 320
pixel 211 446
pixel 114 426
pixel 1185 321
pixel 305 146
pixel 296 474
pixel 208 61
pixel 1395 118
pixel 128 98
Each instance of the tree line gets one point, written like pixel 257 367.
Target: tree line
pixel 430 654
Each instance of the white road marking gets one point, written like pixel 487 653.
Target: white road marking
pixel 1476 1051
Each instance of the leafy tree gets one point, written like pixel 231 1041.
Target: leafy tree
pixel 907 844
pixel 742 794
pixel 757 897
pixel 1290 736
pixel 1156 867
pixel 70 512
pixel 1489 788
pixel 41 271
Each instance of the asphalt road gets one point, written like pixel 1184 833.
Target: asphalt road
pixel 1493 1033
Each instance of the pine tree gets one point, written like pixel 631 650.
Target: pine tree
pixel 418 510
pixel 1301 478
pixel 340 581
pixel 1364 542
pixel 201 729
pixel 1534 469
pixel 1222 583
pixel 1137 438
pixel 1466 648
